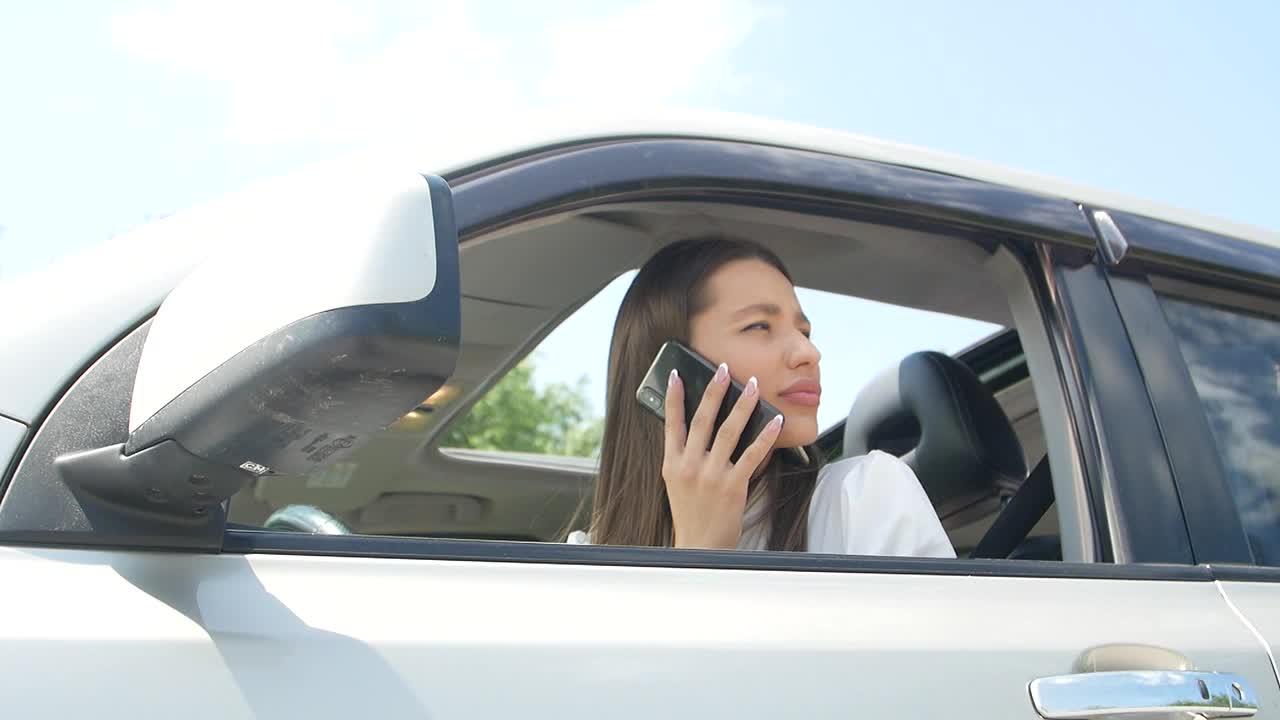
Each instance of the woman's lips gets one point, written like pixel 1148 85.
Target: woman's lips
pixel 802 392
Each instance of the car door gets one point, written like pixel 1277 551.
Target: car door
pixel 402 630
pixel 1202 312
pixel 284 624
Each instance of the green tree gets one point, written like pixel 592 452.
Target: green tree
pixel 516 416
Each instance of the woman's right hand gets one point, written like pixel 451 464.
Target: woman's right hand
pixel 707 492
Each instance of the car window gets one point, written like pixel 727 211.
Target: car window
pixel 553 401
pixel 1234 360
pixel 518 461
pixel 507 448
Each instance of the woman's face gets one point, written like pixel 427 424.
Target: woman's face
pixel 754 324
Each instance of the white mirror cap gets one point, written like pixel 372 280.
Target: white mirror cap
pixel 347 236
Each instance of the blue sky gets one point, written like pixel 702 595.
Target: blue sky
pixel 116 112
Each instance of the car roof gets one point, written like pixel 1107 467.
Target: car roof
pixel 537 132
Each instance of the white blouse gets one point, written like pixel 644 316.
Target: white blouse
pixel 866 505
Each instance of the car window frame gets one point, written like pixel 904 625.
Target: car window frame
pixel 1137 511
pixel 1216 270
pixel 958 202
pixel 1042 230
pixel 868 191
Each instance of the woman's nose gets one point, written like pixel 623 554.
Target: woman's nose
pixel 804 352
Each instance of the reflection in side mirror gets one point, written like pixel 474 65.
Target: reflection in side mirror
pixel 321 318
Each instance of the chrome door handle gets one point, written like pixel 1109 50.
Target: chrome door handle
pixel 1144 693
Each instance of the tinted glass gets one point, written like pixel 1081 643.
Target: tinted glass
pixel 1234 359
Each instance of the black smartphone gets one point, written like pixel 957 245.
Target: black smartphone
pixel 696 373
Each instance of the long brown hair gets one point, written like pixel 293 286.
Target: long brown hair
pixel 631 505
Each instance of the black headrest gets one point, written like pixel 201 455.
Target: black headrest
pixel 934 413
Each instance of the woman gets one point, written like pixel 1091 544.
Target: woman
pixel 734 303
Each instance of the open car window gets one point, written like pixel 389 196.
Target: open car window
pixel 507 450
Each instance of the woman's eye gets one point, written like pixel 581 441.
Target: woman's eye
pixel 756 326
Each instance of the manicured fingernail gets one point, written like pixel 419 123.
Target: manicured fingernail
pixel 750 390
pixel 722 373
pixel 673 378
pixel 776 422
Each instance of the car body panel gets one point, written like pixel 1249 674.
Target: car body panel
pixel 231 636
pixel 1257 602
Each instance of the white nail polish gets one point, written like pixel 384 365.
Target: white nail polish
pixel 750 390
pixel 722 373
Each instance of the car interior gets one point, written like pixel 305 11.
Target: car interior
pixel 969 424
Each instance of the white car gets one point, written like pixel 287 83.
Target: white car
pixel 228 491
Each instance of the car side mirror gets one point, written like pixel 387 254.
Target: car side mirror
pixel 321 318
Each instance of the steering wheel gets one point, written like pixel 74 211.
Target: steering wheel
pixel 305 518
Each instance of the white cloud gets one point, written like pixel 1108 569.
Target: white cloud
pixel 651 51
pixel 338 71
pixel 241 40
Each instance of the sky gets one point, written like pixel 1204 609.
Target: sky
pixel 115 113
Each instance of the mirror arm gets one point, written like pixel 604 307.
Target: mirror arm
pixel 163 493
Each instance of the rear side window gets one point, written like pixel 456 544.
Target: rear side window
pixel 1234 359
